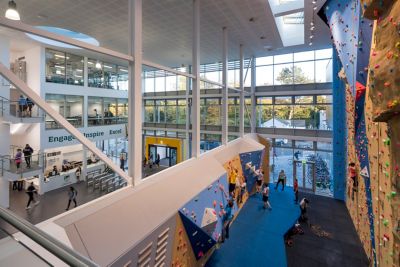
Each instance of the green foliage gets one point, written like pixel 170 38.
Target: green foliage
pixel 286 76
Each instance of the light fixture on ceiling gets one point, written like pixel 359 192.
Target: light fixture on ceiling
pixel 310 44
pixel 12 12
pixel 314 2
pixel 98 65
pixel 311 36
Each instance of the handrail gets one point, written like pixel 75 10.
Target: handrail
pixel 58 249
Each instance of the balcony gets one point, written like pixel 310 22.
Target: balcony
pixel 13 171
pixel 14 113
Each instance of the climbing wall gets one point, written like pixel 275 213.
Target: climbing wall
pixel 251 164
pixel 234 164
pixel 371 71
pixel 182 253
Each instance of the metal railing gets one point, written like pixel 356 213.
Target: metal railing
pixel 10 164
pixel 52 245
pixel 12 107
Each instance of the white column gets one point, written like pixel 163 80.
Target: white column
pixel 84 163
pixel 4 127
pixel 135 92
pixel 225 88
pixel 187 128
pixel 241 102
pixel 85 112
pixel 196 80
pixel 253 96
pixel 85 72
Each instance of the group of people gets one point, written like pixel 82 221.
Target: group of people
pixel 108 115
pixel 25 106
pixel 150 162
pixel 27 153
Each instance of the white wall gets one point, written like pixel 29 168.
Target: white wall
pixel 31 136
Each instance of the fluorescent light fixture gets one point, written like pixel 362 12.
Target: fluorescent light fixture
pixel 91 63
pixel 79 70
pixel 295 18
pixel 79 76
pixel 108 67
pixel 123 70
pixel 58 72
pixel 12 12
pixel 98 65
pixel 60 56
pixel 58 66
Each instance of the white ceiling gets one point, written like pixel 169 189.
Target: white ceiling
pixel 167 26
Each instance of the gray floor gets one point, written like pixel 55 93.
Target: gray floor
pixel 53 203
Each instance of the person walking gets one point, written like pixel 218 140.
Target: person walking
pixel 265 197
pixel 28 151
pixel 18 158
pixel 281 179
pixel 72 193
pixel 122 159
pixel 30 191
pixel 29 105
pixel 158 159
pixel 296 191
pixel 22 105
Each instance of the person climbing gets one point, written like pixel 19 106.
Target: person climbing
pixel 227 219
pixel 265 197
pixel 281 179
pixel 260 180
pixel 303 209
pixel 72 193
pixel 296 191
pixel 28 151
pixel 353 177
pixel 30 191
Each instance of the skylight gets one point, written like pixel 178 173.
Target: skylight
pixel 64 32
pixel 295 18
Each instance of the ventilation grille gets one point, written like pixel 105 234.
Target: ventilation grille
pixel 145 256
pixel 162 242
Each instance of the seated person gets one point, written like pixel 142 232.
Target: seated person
pixel 55 171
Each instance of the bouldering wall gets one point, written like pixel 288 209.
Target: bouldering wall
pixel 231 167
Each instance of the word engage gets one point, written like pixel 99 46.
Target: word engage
pixel 91 135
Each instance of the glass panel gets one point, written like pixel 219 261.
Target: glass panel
pixel 303 99
pixel 322 99
pixel 95 73
pixel 323 117
pixel 283 74
pixel 264 61
pixel 181 112
pixel 303 72
pixel 110 110
pixel 110 76
pixel 323 71
pixel 283 58
pixel 149 83
pixel 160 111
pixel 264 76
pixel 283 116
pixel 170 83
pixel 160 84
pixel 283 160
pixel 57 102
pixel 74 110
pixel 324 146
pixel 303 56
pixel 74 69
pixel 323 172
pixel 95 108
pixel 122 78
pixel 304 117
pixel 171 111
pixel 264 100
pixel 149 113
pixel 247 77
pixel 265 116
pixel 213 112
pixel 283 100
pixel 182 83
pixel 304 144
pixel 55 66
pixel 282 142
pixel 324 53
pixel 122 111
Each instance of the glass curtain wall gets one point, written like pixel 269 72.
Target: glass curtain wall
pixel 64 68
pixel 105 110
pixel 69 106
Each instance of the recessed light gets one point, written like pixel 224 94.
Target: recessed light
pixel 251 19
pixel 262 37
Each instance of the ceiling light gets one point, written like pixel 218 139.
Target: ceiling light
pixel 107 67
pixel 79 70
pixel 314 2
pixel 312 28
pixel 315 8
pixel 312 23
pixel 123 70
pixel 310 44
pixel 58 72
pixel 98 65
pixel 311 36
pixel 12 12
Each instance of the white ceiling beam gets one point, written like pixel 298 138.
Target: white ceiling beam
pixel 167 69
pixel 292 11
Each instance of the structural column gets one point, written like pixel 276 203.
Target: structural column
pixel 224 138
pixel 135 92
pixel 253 96
pixel 196 80
pixel 241 102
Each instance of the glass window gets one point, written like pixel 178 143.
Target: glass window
pixel 323 71
pixel 264 75
pixel 323 117
pixel 233 112
pixel 283 58
pixel 264 61
pixel 323 53
pixel 283 160
pixel 110 110
pixel 95 110
pixel 149 110
pixel 181 109
pixel 149 82
pixel 170 83
pixel 303 99
pixel 110 76
pixel 122 110
pixel 324 99
pixel 74 109
pixel 304 117
pixel 283 116
pixel 55 66
pixel 324 146
pixel 74 69
pixel 304 56
pixel 304 144
pixel 171 111
pixel 303 72
pixel 247 77
pixel 95 73
pixel 283 74
pixel 160 84
pixel 323 163
pixel 282 142
pixel 265 116
pixel 283 100
pixel 57 102
pixel 122 78
pixel 264 100
pixel 160 111
pixel 213 111
pixel 182 83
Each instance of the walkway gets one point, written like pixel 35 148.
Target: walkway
pixel 256 236
pixel 343 248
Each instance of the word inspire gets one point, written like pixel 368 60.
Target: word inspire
pixel 92 135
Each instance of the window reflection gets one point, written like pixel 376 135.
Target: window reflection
pixel 69 106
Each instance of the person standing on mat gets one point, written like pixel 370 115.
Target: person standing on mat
pixel 281 179
pixel 72 193
pixel 227 219
pixel 265 197
pixel 303 209
pixel 260 179
pixel 296 191
pixel 30 191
